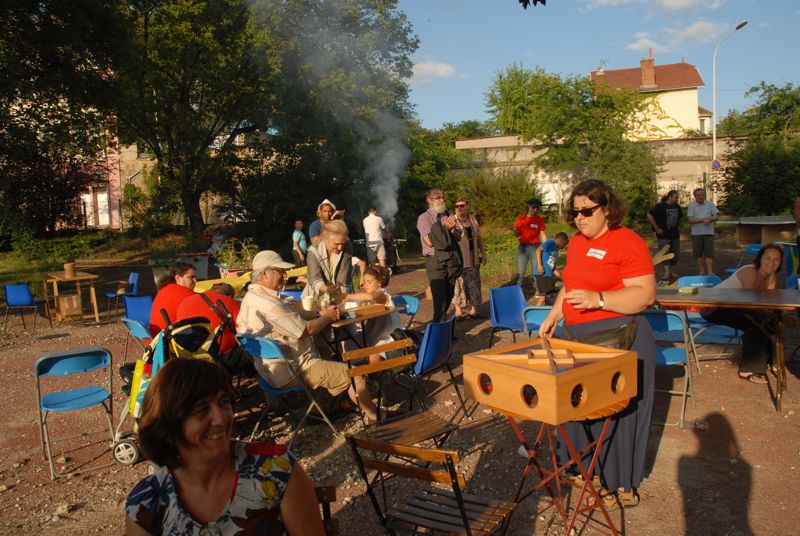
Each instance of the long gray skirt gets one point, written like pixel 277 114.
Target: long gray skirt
pixel 622 457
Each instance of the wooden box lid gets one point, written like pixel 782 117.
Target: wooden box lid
pixel 368 309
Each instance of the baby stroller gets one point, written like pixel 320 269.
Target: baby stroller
pixel 189 338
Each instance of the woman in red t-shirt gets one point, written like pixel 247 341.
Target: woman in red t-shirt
pixel 172 289
pixel 609 277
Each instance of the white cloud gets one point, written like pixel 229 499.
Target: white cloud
pixel 427 71
pixel 669 5
pixel 716 4
pixel 643 42
pixel 677 5
pixel 677 37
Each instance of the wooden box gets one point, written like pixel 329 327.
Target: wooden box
pixel 514 381
pixel 368 309
pixel 69 305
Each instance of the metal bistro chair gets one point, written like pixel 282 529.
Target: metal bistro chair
pixel 749 249
pixel 673 321
pixel 411 303
pixel 263 348
pixel 131 289
pixel 445 508
pixel 506 305
pixel 19 296
pixel 63 364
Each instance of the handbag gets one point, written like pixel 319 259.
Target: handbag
pixel 620 338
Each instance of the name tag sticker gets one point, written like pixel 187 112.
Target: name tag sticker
pixel 534 226
pixel 596 253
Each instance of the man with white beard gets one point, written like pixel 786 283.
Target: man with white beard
pixel 439 234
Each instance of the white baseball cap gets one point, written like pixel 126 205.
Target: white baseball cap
pixel 269 259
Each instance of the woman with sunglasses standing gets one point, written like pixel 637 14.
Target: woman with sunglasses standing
pixel 468 294
pixel 608 279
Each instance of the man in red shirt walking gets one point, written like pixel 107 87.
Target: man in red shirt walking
pixel 530 229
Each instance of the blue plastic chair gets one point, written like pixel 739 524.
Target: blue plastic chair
pixel 140 333
pixel 534 315
pixel 699 327
pixel 672 321
pixel 411 303
pixel 792 281
pixel 506 305
pixel 434 353
pixel 138 308
pixel 63 364
pixel 132 289
pixel 19 296
pixel 268 349
pixel 750 249
pixel 296 295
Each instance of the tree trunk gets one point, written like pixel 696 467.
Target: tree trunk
pixel 191 206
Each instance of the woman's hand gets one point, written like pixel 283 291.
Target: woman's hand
pixel 548 326
pixel 583 299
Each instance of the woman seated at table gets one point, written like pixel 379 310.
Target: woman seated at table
pixel 172 289
pixel 756 344
pixel 373 289
pixel 609 278
pixel 208 483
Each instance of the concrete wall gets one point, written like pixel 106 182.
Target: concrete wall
pixel 684 162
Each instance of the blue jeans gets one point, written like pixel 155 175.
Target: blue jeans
pixel 525 254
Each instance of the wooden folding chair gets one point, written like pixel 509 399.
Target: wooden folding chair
pixel 409 429
pixel 431 509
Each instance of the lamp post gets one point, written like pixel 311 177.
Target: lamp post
pixel 739 26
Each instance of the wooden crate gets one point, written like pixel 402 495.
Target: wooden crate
pixel 368 309
pixel 506 380
pixel 69 306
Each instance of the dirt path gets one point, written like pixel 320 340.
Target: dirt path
pixel 737 474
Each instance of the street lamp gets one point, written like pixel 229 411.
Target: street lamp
pixel 739 26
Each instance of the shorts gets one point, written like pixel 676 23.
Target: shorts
pixel 703 245
pixel 674 247
pixel 328 374
pixel 376 249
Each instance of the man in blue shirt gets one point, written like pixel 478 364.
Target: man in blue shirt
pixel 299 244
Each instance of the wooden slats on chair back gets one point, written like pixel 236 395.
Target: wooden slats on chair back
pixel 379 349
pixel 420 454
pixel 400 469
pixel 385 364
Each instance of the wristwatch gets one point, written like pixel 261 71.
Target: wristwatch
pixel 601 303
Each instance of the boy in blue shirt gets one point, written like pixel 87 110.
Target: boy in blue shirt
pixel 547 255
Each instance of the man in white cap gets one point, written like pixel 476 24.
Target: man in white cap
pixel 264 314
pixel 325 211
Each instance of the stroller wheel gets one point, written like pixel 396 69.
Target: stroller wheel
pixel 126 452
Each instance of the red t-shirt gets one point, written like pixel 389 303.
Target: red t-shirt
pixel 167 298
pixel 195 306
pixel 528 229
pixel 600 265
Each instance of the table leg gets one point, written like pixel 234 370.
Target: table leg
pixel 44 287
pixel 780 365
pixel 55 301
pixel 80 299
pixel 93 298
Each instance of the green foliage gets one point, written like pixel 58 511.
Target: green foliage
pixel 495 198
pixel 57 250
pixel 763 177
pixel 776 112
pixel 236 253
pixel 578 128
pixel 149 213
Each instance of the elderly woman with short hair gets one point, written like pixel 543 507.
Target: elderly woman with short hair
pixel 209 483
pixel 330 264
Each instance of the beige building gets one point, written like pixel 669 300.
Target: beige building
pixel 674 108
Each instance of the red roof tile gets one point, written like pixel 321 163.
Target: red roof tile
pixel 669 76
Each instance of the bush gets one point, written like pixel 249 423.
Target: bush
pixel 59 249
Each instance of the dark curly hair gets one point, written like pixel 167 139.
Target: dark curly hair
pixel 178 269
pixel 602 194
pixel 170 399
pixel 380 273
pixel 760 254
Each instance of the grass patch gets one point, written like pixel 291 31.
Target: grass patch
pixel 501 247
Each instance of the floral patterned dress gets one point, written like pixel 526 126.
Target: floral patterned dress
pixel 264 470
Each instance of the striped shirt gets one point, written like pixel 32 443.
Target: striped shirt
pixel 424 224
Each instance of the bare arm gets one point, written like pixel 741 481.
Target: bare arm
pixel 639 294
pixel 548 326
pixel 326 316
pixel 377 296
pixel 299 509
pixel 539 266
pixel 652 221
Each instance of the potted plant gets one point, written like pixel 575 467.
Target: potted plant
pixel 235 256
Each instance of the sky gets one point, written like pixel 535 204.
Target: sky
pixel 465 43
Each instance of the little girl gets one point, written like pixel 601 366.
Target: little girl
pixel 373 289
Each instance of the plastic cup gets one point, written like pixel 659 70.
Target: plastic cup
pixel 308 303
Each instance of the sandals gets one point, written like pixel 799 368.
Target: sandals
pixel 752 377
pixel 614 500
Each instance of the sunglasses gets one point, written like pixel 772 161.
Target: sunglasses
pixel 585 212
pixel 460 205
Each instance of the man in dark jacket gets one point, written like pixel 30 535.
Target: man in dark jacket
pixel 665 217
pixel 439 233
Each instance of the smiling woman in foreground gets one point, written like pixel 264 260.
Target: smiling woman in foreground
pixel 209 484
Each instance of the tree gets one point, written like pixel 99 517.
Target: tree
pixel 339 99
pixel 579 128
pixel 55 96
pixel 776 112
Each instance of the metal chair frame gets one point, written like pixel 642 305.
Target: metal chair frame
pixel 132 289
pixel 63 364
